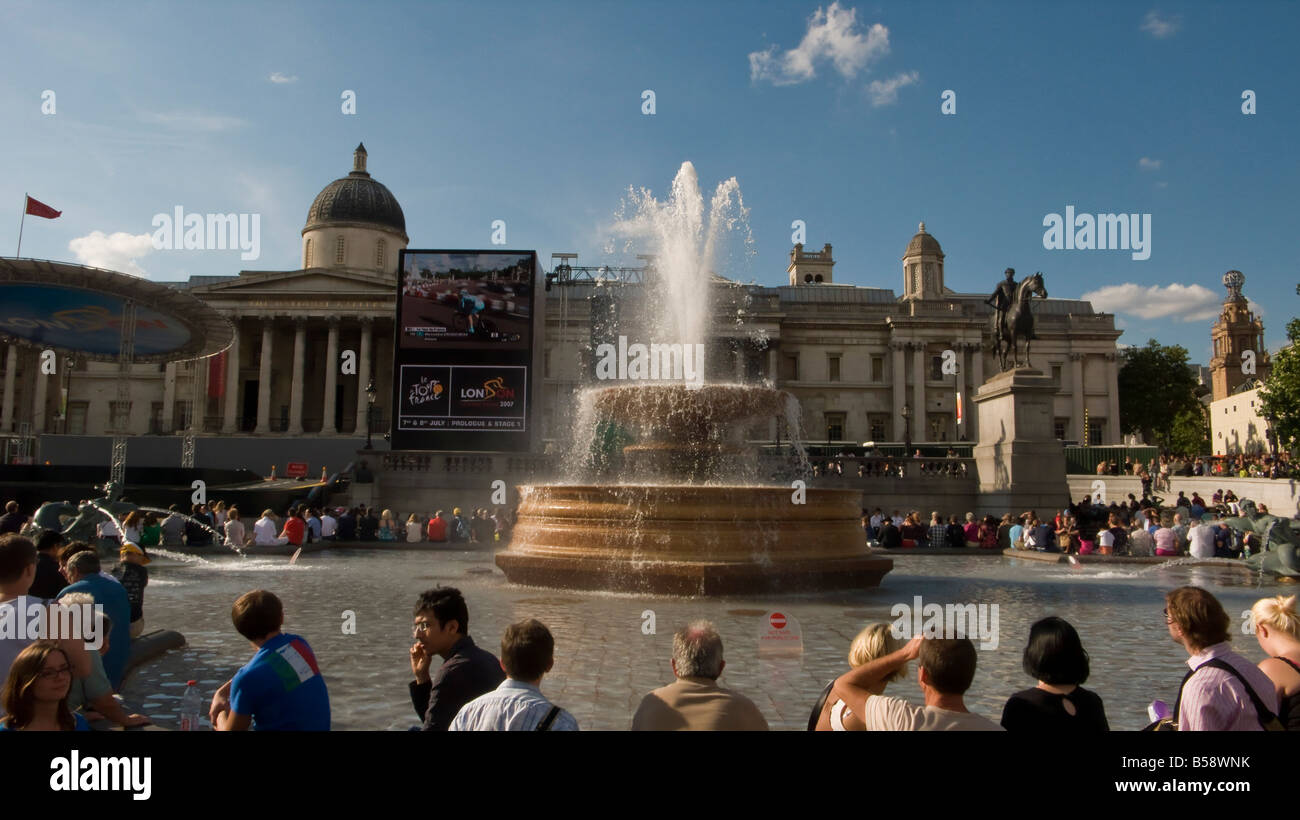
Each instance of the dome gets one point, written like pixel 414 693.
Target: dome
pixel 356 198
pixel 1233 280
pixel 923 243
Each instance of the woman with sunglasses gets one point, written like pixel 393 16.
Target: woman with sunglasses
pixel 36 694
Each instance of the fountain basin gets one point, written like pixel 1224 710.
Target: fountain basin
pixel 690 540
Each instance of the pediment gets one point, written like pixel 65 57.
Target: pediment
pixel 311 280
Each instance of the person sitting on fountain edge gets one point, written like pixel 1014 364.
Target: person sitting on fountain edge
pixel 945 672
pixel 441 627
pixel 84 576
pixel 281 688
pixel 694 701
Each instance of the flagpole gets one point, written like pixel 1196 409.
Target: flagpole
pixel 21 222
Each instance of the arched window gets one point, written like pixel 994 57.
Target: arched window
pixel 379 254
pixel 338 251
pixel 306 254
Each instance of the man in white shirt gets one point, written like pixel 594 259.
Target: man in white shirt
pixel 518 705
pixel 1201 539
pixel 329 526
pixel 265 532
pixel 945 670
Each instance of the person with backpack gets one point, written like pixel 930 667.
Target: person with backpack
pixel 459 529
pixel 1224 691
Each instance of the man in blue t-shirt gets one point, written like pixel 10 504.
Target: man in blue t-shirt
pixel 83 575
pixel 281 688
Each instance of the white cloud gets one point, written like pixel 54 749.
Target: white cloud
pixel 279 78
pixel 885 92
pixel 830 36
pixel 192 120
pixel 1161 27
pixel 1148 164
pixel 116 252
pixel 1186 303
pixel 1162 184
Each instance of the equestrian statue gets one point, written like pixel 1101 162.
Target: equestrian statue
pixel 1012 318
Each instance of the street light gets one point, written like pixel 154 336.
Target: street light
pixel 907 430
pixel 370 410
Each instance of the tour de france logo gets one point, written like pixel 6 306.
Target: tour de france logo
pixel 424 391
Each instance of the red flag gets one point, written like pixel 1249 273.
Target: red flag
pixel 36 208
pixel 217 376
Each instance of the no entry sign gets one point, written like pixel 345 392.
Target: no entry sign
pixel 780 636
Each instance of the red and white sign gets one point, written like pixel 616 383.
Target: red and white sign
pixel 780 636
pixel 296 469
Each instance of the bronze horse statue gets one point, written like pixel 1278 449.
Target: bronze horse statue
pixel 1018 322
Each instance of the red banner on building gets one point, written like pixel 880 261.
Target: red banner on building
pixel 296 469
pixel 217 375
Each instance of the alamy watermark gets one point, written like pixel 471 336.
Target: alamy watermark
pixel 208 232
pixel 1102 232
pixel 979 622
pixel 41 621
pixel 655 362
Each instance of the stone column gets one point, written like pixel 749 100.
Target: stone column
pixel 977 379
pixel 38 406
pixel 264 378
pixel 296 384
pixel 363 375
pixel 1112 423
pixel 230 424
pixel 327 427
pixel 1076 393
pixel 169 398
pixel 922 428
pixel 900 388
pixel 11 369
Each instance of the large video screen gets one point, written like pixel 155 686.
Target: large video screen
pixel 463 350
pixel 466 300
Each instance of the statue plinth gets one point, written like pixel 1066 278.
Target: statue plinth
pixel 1020 462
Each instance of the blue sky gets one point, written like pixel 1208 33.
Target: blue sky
pixel 532 113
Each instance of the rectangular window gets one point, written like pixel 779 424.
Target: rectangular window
pixel 834 426
pixel 156 418
pixel 790 367
pixel 833 363
pixel 77 412
pixel 938 426
pixel 1094 432
pixel 1059 426
pixel 936 368
pixel 1056 375
pixel 877 369
pixel 338 251
pixel 879 424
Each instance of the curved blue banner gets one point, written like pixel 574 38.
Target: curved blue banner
pixel 84 320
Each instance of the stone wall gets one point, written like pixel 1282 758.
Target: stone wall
pixel 1281 495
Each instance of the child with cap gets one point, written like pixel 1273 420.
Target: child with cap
pixel 134 578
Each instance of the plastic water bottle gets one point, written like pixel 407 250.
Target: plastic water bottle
pixel 191 709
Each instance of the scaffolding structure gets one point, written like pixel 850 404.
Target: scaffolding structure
pixel 125 358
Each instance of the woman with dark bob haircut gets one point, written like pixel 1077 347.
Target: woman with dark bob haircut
pixel 1055 656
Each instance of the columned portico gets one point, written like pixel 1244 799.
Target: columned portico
pixel 363 375
pixel 1112 376
pixel 264 378
pixel 296 378
pixel 328 427
pixel 230 420
pixel 918 387
pixel 11 369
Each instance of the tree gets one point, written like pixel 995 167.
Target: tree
pixel 1155 387
pixel 1281 393
pixel 1189 433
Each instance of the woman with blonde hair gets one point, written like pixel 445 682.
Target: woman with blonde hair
pixel 414 532
pixel 220 515
pixel 35 695
pixel 1277 628
pixel 387 526
pixel 236 534
pixel 876 641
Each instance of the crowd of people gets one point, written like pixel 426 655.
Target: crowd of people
pixel 1157 472
pixel 57 684
pixel 1135 527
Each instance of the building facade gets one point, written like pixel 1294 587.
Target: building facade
pixel 1238 337
pixel 865 363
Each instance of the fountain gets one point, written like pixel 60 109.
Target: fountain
pixel 683 514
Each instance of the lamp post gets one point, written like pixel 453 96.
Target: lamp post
pixel 370 410
pixel 907 430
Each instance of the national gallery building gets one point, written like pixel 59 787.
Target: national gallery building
pixel 865 363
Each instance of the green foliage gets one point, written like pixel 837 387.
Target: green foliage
pixel 1189 433
pixel 1281 393
pixel 1155 388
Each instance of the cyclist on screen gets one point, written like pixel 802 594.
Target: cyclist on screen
pixel 471 306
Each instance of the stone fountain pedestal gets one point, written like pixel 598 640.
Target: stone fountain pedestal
pixel 1020 462
pixel 690 540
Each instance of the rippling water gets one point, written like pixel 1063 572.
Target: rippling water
pixel 605 663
